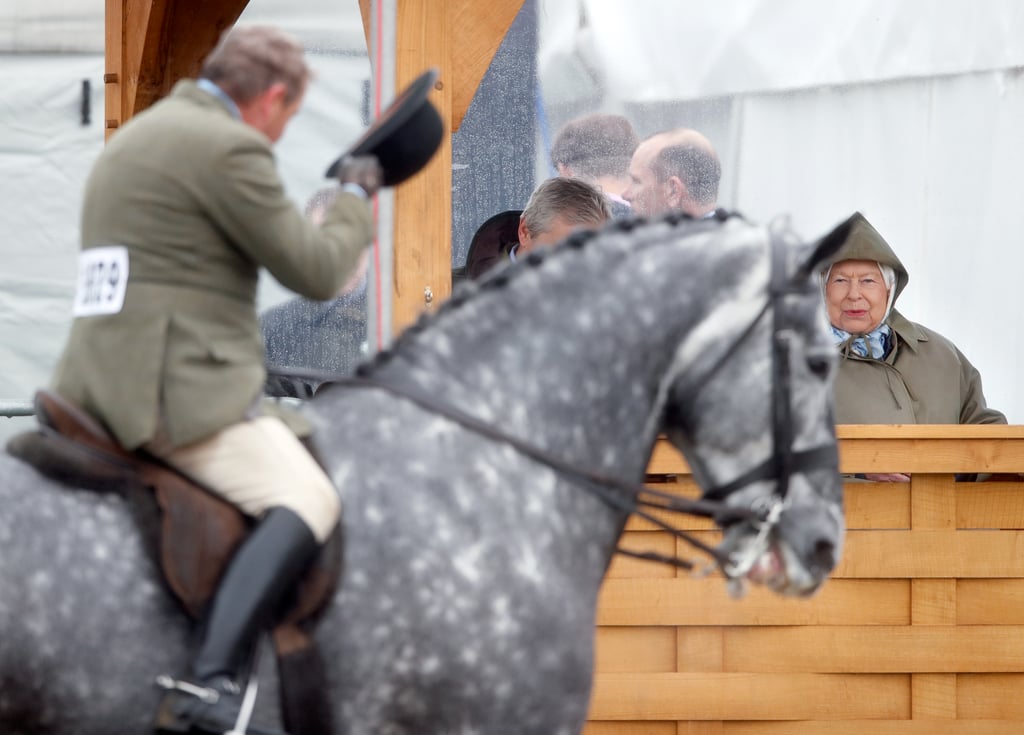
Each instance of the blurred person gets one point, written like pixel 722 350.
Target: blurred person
pixel 557 207
pixel 674 171
pixel 892 370
pixel 181 209
pixel 597 148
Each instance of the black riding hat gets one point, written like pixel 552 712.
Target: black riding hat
pixel 405 136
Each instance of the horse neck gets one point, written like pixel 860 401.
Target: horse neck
pixel 569 355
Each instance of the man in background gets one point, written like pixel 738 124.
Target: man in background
pixel 674 171
pixel 597 148
pixel 558 207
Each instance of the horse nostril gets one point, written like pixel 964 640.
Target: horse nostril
pixel 824 556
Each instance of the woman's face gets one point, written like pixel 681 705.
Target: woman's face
pixel 856 296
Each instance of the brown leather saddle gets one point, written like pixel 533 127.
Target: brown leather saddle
pixel 198 534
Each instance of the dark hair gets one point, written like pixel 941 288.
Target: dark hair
pixel 695 166
pixel 595 145
pixel 249 59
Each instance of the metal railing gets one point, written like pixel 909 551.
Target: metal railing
pixel 9 408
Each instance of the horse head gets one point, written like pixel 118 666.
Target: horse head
pixel 769 456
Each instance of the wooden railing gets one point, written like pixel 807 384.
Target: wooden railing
pixel 919 632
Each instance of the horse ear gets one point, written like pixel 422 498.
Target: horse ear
pixel 828 246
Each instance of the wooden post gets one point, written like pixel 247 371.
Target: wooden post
pixel 459 37
pixel 112 73
pixel 151 44
pixel 422 227
pixel 933 601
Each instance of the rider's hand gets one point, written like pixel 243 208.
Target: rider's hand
pixel 363 171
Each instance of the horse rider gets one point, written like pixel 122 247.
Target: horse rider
pixel 181 209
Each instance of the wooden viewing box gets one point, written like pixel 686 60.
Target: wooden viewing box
pixel 920 631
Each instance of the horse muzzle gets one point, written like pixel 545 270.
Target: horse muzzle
pixel 792 555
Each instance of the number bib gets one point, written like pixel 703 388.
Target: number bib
pixel 102 281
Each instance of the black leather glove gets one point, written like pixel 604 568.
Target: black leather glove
pixel 364 171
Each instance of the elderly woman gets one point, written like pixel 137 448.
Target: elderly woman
pixel 892 370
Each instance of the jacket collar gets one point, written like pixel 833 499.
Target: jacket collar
pixel 190 90
pixel 908 333
pixel 209 87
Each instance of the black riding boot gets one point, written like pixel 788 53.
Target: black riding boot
pixel 263 570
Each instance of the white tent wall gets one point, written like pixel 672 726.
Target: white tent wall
pixel 937 166
pixel 656 50
pixel 45 155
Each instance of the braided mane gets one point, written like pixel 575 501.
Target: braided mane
pixel 500 278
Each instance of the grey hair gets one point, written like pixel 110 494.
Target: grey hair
pixel 249 59
pixel 574 200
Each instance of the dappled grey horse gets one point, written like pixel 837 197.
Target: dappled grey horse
pixel 487 466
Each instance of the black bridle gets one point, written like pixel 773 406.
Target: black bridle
pixel 783 462
pixel 642 500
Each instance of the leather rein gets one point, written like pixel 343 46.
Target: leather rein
pixel 642 500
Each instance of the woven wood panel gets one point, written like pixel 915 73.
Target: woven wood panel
pixel 920 631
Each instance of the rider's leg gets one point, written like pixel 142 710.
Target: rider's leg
pixel 293 525
pixel 261 573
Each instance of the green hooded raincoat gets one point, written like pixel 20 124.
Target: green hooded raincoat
pixel 924 379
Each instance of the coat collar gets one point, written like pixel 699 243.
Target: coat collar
pixel 908 333
pixel 189 89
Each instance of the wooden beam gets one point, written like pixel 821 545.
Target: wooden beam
pixel 113 89
pixel 423 216
pixel 477 30
pixel 459 37
pixel 151 44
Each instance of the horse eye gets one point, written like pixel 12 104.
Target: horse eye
pixel 820 365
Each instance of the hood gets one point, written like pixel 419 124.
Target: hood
pixel 865 243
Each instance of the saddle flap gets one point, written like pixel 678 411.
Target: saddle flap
pixel 72 447
pixel 59 414
pixel 198 535
pixel 68 462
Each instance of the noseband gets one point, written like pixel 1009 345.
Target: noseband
pixel 644 501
